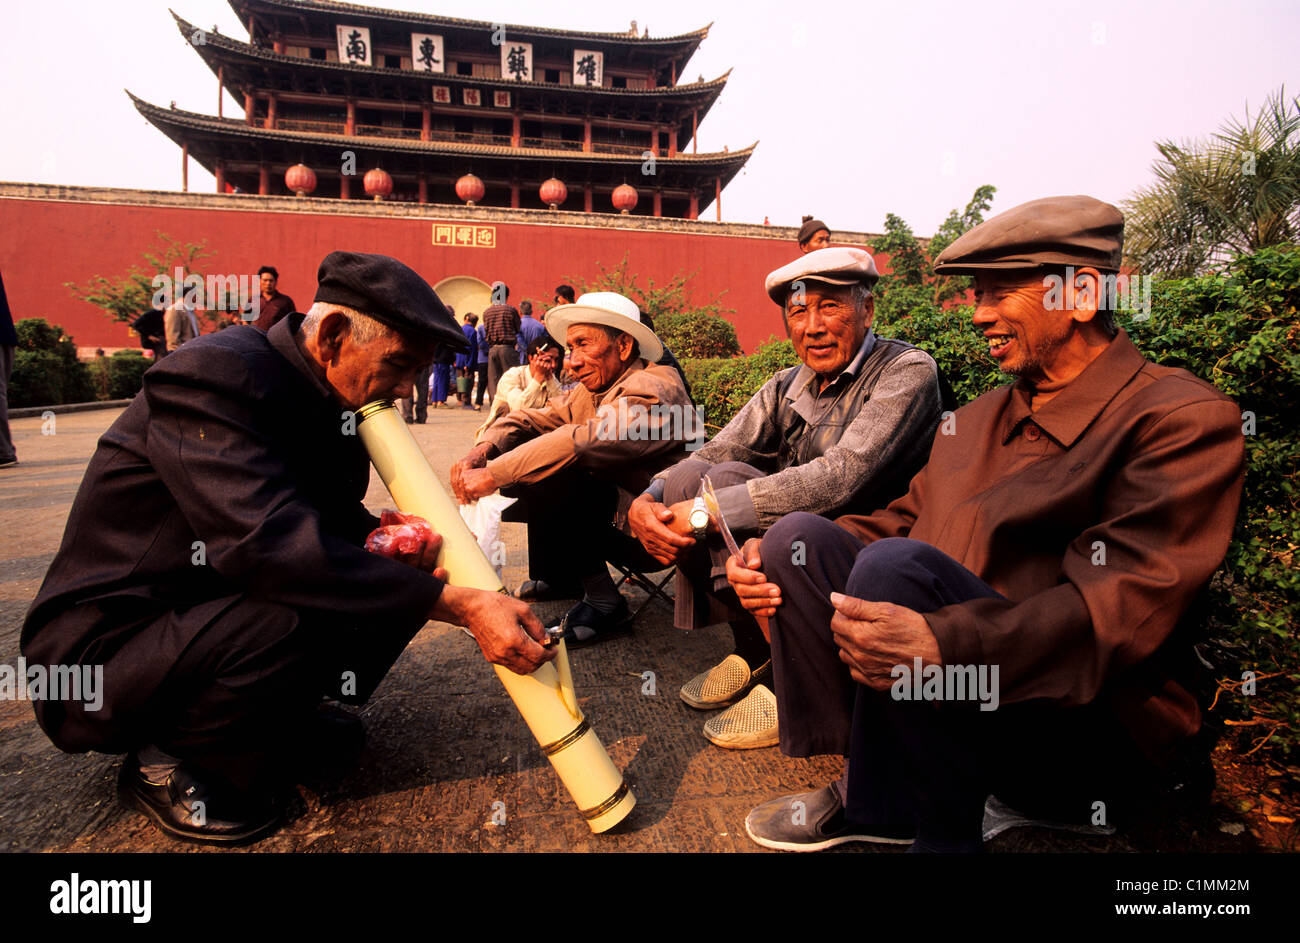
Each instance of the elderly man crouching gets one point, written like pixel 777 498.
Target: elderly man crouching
pixel 1010 626
pixel 845 430
pixel 214 564
pixel 577 462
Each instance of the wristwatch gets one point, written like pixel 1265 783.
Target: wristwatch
pixel 699 519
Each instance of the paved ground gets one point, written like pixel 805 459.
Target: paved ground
pixel 445 744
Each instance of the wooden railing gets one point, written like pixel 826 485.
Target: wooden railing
pixel 459 137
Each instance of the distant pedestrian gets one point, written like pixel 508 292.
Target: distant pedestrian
pixel 530 328
pixel 501 325
pixel 274 304
pixel 179 324
pixel 814 235
pixel 8 344
pixel 153 335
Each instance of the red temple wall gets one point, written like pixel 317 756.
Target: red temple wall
pixel 45 243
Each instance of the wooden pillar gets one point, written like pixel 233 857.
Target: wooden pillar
pixel 694 211
pixel 345 189
pixel 278 46
pixel 586 198
pixel 659 202
pixel 695 131
pixel 717 196
pixel 270 112
pixel 249 102
pixel 672 141
pixel 221 176
pixel 185 166
pixel 514 194
pixel 221 90
pixel 586 137
pixel 350 127
pixel 426 125
pixel 650 79
pixel 654 142
pixel 673 79
pixel 423 191
pixel 263 180
pixel 516 134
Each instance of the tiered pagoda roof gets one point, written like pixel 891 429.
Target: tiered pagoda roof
pixel 427 128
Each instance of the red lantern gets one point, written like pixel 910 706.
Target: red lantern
pixel 377 183
pixel 624 198
pixel 300 179
pixel 553 193
pixel 470 189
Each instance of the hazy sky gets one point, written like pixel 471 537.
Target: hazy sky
pixel 860 108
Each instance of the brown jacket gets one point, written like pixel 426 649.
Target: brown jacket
pixel 1099 517
pixel 615 435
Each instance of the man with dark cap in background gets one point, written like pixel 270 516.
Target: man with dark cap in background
pixel 213 567
pixel 501 328
pixel 1012 626
pixel 814 235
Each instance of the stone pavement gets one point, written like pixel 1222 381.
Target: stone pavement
pixel 444 743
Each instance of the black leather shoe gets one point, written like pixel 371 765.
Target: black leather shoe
pixel 191 809
pixel 584 624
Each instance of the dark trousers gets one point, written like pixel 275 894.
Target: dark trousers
pixel 7 453
pixel 478 380
pixel 417 407
pixel 570 530
pixel 501 357
pixel 235 701
pixel 915 762
pixel 441 382
pixel 702 594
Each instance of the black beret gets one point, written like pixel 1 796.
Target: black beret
pixel 1056 230
pixel 391 293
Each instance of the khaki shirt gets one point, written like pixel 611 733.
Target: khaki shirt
pixel 517 389
pixel 624 434
pixel 1100 517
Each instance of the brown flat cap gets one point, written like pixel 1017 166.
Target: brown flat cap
pixel 1056 230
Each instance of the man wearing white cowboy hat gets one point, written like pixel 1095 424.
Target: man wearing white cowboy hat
pixel 577 463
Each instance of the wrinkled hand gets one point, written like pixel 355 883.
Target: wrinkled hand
pixel 507 631
pixel 663 531
pixel 756 594
pixel 476 458
pixel 476 483
pixel 874 637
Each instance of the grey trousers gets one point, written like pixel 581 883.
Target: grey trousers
pixel 703 595
pixel 7 452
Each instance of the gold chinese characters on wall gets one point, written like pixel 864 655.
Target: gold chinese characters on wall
pixel 464 235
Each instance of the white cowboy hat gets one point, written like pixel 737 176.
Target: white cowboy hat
pixel 607 308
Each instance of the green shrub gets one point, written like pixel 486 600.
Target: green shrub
pixel 698 369
pixel 1241 332
pixel 37 379
pixel 118 376
pixel 697 333
pixel 726 389
pixel 47 381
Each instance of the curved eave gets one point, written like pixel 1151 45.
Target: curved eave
pixel 174 122
pixel 215 45
pixel 683 44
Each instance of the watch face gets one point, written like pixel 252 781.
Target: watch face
pixel 699 519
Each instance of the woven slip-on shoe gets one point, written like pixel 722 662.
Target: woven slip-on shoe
pixel 746 725
pixel 723 684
